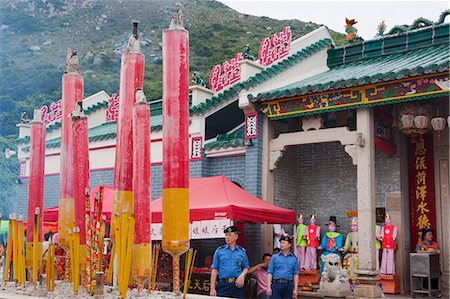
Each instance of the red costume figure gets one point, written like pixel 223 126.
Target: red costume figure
pixel 72 92
pixel 312 234
pixel 175 192
pixel 388 237
pixel 36 179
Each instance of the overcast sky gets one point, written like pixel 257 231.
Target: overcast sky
pixel 368 14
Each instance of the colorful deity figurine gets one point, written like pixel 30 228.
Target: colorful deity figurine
pixel 312 234
pixel 378 245
pixel 332 241
pixel 388 237
pixel 301 242
pixel 351 243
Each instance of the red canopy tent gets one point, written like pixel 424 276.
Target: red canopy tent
pixel 51 214
pixel 219 198
pixel 209 198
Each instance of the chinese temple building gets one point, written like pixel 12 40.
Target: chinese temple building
pixel 308 126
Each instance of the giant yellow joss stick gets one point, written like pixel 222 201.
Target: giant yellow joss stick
pixel 72 92
pixel 131 79
pixel 80 175
pixel 175 193
pixel 35 194
pixel 141 190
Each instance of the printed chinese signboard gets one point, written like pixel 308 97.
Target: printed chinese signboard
pixel 51 112
pixel 112 113
pixel 226 74
pixel 275 47
pixel 421 187
pixel 207 229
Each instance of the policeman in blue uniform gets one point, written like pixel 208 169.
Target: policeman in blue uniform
pixel 282 277
pixel 230 265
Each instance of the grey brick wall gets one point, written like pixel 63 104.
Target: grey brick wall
pixel 321 179
pixel 232 167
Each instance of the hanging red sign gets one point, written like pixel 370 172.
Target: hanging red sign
pixel 196 145
pixel 226 74
pixel 51 112
pixel 275 47
pixel 251 125
pixel 421 187
pixel 112 113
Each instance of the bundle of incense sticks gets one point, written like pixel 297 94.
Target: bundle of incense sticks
pixel 9 248
pixel 50 267
pixel 36 247
pixel 21 275
pixel 155 258
pixel 189 266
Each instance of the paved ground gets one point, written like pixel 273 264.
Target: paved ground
pixel 11 296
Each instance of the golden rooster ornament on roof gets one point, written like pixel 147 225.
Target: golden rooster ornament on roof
pixel 352 32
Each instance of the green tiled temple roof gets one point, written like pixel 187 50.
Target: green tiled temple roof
pixel 408 54
pixel 262 76
pixel 102 132
pixel 155 112
pixel 234 139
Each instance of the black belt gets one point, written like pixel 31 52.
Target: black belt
pixel 282 281
pixel 229 279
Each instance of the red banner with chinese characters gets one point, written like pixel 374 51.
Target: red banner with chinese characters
pixel 421 187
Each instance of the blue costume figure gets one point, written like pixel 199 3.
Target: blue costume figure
pixel 230 265
pixel 332 241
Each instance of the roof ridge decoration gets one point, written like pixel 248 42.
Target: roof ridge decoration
pixel 419 23
pixel 262 76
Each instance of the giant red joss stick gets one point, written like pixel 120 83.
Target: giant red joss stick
pixel 131 77
pixel 72 92
pixel 175 212
pixel 36 185
pixel 141 190
pixel 80 136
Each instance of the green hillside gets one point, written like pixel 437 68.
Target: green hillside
pixel 35 35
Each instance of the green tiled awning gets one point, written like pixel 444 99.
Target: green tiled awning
pixel 103 132
pixel 234 139
pixel 431 59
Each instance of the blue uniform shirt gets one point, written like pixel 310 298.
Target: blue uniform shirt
pixel 283 267
pixel 230 263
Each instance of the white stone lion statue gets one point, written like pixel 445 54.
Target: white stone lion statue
pixel 334 281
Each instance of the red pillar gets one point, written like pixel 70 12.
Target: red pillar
pixel 141 189
pixel 175 222
pixel 80 135
pixel 72 92
pixel 36 178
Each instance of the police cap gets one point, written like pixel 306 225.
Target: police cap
pixel 231 229
pixel 286 238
